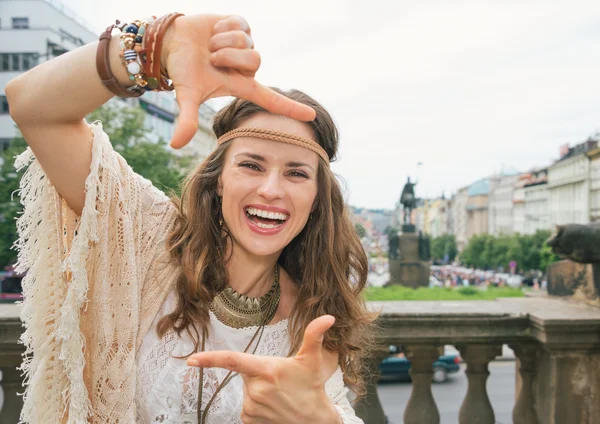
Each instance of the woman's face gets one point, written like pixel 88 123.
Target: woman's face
pixel 268 188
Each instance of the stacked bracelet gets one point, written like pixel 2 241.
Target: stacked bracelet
pixel 141 47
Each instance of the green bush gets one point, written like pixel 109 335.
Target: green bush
pixel 468 291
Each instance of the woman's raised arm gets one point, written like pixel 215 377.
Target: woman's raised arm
pixel 206 56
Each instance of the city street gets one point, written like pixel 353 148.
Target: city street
pixel 449 395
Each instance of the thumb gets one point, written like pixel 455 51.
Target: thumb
pixel 312 344
pixel 187 123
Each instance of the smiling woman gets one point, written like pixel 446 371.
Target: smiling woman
pixel 240 301
pixel 272 203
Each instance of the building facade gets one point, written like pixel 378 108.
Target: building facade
pixel 419 215
pixel 477 208
pixel 569 186
pixel 537 216
pixel 500 212
pixel 459 217
pixel 438 217
pixel 31 32
pixel 518 212
pixel 594 172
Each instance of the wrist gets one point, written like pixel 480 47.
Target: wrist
pixel 166 47
pixel 327 413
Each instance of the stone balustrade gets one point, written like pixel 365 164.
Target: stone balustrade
pixel 556 342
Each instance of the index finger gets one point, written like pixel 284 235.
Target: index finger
pixel 239 362
pixel 273 101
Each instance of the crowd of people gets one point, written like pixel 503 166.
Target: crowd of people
pixel 452 276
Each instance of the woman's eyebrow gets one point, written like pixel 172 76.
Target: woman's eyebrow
pixel 254 156
pixel 297 164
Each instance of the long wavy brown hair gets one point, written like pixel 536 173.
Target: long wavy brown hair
pixel 326 259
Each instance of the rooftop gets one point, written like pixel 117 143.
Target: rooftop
pixel 479 188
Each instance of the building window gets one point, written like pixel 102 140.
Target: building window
pixel 18 62
pixel 15 61
pixel 4 62
pixel 20 23
pixel 3 105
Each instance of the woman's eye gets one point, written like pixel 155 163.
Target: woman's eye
pixel 249 165
pixel 298 174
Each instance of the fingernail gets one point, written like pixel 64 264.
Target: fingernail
pixel 193 362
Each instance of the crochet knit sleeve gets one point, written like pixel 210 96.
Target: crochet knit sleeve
pixel 83 285
pixel 338 393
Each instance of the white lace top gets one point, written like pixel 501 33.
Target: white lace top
pixel 167 388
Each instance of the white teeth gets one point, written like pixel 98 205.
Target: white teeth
pixel 266 214
pixel 262 225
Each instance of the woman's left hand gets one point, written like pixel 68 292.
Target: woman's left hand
pixel 282 390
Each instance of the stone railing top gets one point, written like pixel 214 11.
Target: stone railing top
pixel 9 311
pixel 555 322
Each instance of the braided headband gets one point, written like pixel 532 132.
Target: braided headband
pixel 273 135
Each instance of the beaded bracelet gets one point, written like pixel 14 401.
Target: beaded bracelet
pixel 131 43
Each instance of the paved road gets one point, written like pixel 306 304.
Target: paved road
pixel 449 395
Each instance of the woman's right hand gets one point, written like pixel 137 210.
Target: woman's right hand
pixel 210 56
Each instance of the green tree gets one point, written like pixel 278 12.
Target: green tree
pixel 530 252
pixel 360 230
pixel 547 257
pixel 389 230
pixel 442 246
pixel 128 135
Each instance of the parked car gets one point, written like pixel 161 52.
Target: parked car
pixel 10 287
pixel 396 366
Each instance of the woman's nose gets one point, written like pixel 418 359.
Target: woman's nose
pixel 271 187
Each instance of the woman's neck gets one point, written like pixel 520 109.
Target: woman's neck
pixel 251 275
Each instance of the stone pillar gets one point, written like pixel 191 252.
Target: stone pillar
pixel 369 408
pixel 476 407
pixel 421 407
pixel 566 386
pixel 11 385
pixel 524 410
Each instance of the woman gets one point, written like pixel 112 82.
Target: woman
pixel 231 304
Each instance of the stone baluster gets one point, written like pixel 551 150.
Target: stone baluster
pixel 11 384
pixel 476 407
pixel 524 411
pixel 369 408
pixel 421 407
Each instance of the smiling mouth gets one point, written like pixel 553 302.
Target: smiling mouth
pixel 265 219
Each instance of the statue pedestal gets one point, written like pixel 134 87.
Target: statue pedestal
pixel 410 274
pixel 409 228
pixel 409 270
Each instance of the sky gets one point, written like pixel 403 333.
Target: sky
pixel 467 88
